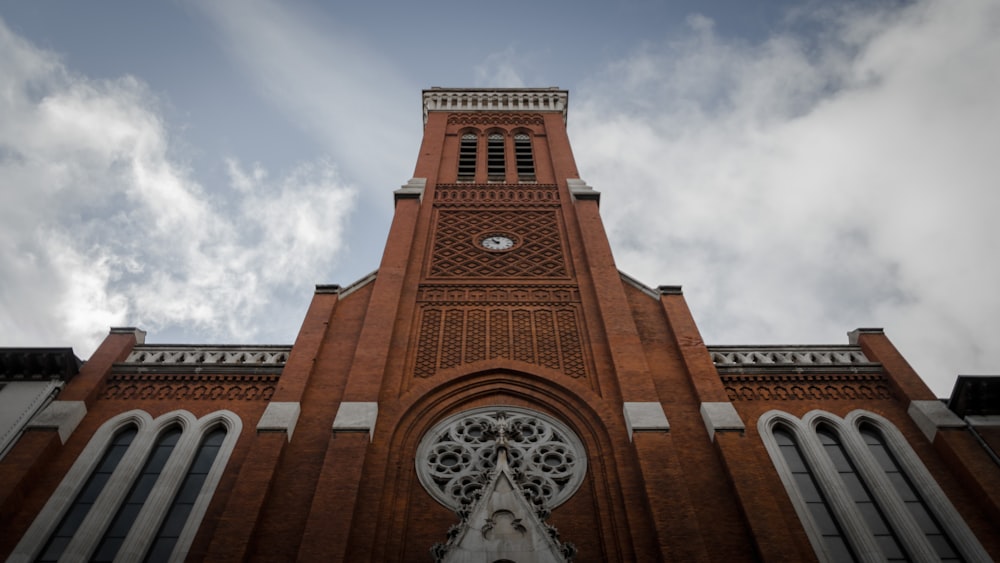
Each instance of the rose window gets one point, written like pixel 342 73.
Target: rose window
pixel 456 457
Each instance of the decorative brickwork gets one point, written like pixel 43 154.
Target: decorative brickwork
pixel 806 387
pixel 511 119
pixel 539 253
pixel 546 336
pixel 536 195
pixel 192 387
pixel 493 294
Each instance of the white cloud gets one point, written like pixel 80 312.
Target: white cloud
pixel 805 186
pixel 501 70
pixel 100 226
pixel 327 81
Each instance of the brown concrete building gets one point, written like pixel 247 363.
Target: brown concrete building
pixel 499 391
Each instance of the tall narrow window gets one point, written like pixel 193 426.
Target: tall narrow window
pixel 467 157
pixel 85 499
pixel 861 496
pixel 524 158
pixel 916 505
pixel 122 523
pixel 182 504
pixel 859 488
pixel 167 471
pixel 495 169
pixel 819 508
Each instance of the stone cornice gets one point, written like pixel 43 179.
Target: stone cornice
pixel 173 358
pixel 18 364
pixel 496 100
pixel 791 358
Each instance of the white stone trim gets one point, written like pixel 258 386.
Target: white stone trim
pixel 64 416
pixel 980 421
pixel 580 190
pixel 358 284
pixel 721 416
pixel 856 531
pixel 931 415
pixel 413 189
pixel 639 285
pixel 495 99
pixel 356 417
pixel 644 416
pixel 280 417
pixel 104 509
pixel 20 401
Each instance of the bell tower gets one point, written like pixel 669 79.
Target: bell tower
pixel 497 390
pixel 497 294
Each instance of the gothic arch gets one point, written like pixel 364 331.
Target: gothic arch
pixel 573 404
pixel 841 500
pixel 111 496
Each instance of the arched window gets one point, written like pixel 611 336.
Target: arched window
pixel 810 493
pixel 467 157
pixel 78 510
pixel 495 168
pixel 860 491
pixel 909 494
pixel 186 497
pixel 143 485
pixel 146 492
pixel 523 157
pixel 860 495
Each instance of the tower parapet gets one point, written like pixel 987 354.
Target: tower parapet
pixel 496 99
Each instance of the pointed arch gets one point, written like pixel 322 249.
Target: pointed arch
pixel 858 492
pixel 146 474
pixel 468 152
pixel 524 158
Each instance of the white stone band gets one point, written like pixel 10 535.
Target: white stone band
pixel 356 417
pixel 721 416
pixel 64 416
pixel 931 415
pixel 645 416
pixel 280 417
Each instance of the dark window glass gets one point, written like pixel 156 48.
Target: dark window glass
pixel 181 507
pixel 872 514
pixel 495 169
pixel 85 499
pixel 819 508
pixel 523 157
pixel 909 494
pixel 122 522
pixel 467 157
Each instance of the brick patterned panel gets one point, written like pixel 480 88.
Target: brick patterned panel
pixel 505 194
pixel 454 335
pixel 538 252
pixel 505 118
pixel 806 387
pixel 493 294
pixel 194 387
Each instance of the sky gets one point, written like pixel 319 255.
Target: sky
pixel 802 169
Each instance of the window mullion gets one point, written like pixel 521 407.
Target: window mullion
pixel 911 538
pixel 90 532
pixel 844 508
pixel 147 522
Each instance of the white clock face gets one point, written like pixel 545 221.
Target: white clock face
pixel 496 242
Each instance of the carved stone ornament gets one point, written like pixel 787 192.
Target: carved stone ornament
pixel 456 457
pixel 501 509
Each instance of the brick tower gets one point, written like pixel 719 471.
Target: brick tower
pixel 497 390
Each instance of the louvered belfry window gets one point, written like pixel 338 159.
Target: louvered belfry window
pixel 495 169
pixel 467 157
pixel 524 158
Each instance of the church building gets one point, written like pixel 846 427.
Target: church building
pixel 496 391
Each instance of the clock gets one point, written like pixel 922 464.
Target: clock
pixel 496 242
